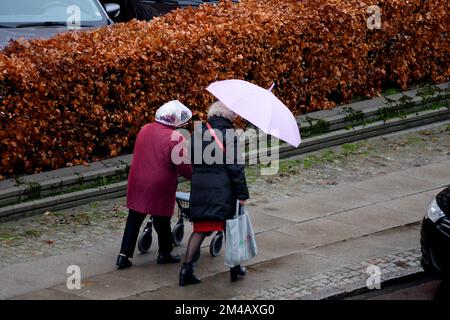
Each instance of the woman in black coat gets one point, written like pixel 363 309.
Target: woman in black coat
pixel 218 181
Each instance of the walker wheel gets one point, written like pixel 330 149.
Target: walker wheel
pixel 145 240
pixel 216 244
pixel 178 234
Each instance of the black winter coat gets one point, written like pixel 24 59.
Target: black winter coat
pixel 216 187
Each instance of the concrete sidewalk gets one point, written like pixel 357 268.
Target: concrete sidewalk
pixel 298 237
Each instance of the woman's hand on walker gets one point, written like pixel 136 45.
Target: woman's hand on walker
pixel 242 202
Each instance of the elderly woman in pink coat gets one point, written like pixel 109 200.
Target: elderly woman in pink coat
pixel 152 181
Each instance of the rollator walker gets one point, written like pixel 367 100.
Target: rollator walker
pixel 182 200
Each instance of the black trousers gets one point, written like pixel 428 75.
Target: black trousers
pixel 133 226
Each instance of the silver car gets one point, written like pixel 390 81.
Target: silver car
pixel 44 18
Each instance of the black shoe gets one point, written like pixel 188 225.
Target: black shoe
pixel 187 275
pixel 123 262
pixel 165 258
pixel 235 272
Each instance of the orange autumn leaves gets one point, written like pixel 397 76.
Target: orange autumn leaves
pixel 79 97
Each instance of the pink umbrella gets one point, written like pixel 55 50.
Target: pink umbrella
pixel 259 106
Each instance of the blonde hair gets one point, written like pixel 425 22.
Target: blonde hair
pixel 218 109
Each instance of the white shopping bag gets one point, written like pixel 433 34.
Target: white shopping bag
pixel 240 244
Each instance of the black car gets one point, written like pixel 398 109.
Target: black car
pixel 435 236
pixel 148 9
pixel 45 18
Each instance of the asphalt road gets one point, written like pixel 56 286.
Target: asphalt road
pixel 423 288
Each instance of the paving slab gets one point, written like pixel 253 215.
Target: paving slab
pixel 7 287
pixel 415 205
pixel 275 244
pixel 395 185
pixel 403 238
pixel 44 273
pixel 109 247
pixel 108 286
pixel 151 274
pixel 322 231
pixel 217 287
pixel 48 294
pixel 349 197
pixel 353 250
pixel 300 209
pixel 370 246
pixel 436 173
pixel 208 265
pixel 298 265
pixel 262 222
pixel 433 193
pixel 374 218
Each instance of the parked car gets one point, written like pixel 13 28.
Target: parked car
pixel 148 9
pixel 161 7
pixel 435 236
pixel 133 9
pixel 45 18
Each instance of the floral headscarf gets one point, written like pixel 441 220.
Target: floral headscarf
pixel 173 113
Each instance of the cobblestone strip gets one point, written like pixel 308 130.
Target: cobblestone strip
pixel 343 280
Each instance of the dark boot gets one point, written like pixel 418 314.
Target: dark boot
pixel 164 258
pixel 123 262
pixel 235 272
pixel 187 275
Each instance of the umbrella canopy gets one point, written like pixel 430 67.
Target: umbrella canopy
pixel 258 106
